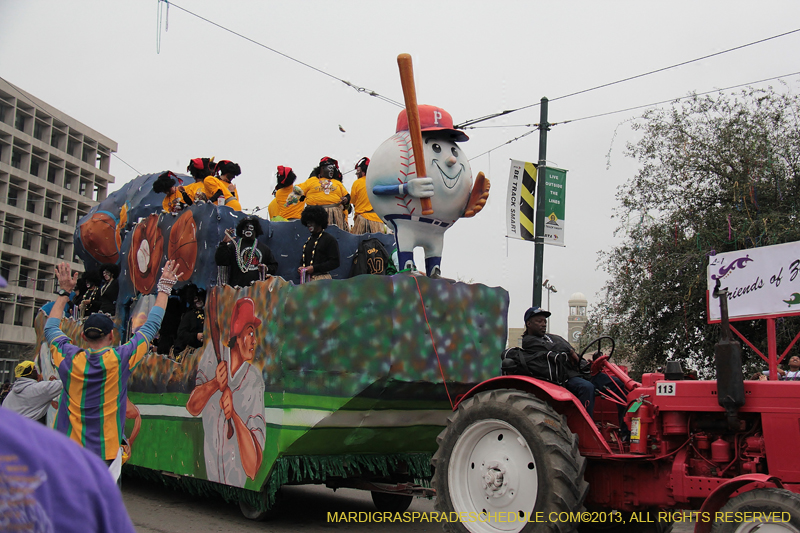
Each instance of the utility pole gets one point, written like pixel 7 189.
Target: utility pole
pixel 538 242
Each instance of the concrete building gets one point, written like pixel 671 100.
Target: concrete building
pixel 53 169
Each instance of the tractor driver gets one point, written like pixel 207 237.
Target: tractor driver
pixel 536 340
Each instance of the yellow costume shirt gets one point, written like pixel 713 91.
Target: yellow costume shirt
pixel 193 189
pixel 211 185
pixel 323 191
pixel 170 200
pixel 278 206
pixel 360 201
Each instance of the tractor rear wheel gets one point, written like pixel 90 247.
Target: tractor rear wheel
pixel 504 456
pixel 763 501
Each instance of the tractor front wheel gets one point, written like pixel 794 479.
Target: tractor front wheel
pixel 504 457
pixel 767 501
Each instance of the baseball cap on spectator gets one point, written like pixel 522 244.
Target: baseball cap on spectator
pixel 98 325
pixel 533 311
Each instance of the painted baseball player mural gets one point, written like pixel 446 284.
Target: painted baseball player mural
pixel 396 192
pixel 229 392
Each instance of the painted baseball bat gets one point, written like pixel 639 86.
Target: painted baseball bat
pixel 414 129
pixel 213 326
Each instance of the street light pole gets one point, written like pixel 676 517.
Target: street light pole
pixel 549 289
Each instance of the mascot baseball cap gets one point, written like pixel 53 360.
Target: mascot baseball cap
pixel 98 325
pixel 432 118
pixel 533 311
pixel 24 369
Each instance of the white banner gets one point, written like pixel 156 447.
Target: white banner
pixel 520 201
pixel 761 282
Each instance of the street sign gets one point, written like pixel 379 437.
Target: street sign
pixel 555 187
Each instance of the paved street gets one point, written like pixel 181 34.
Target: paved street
pixel 156 509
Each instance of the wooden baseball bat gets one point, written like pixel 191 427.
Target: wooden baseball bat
pixel 213 326
pixel 414 129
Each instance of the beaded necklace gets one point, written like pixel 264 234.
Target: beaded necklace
pixel 313 250
pixel 244 258
pixel 105 286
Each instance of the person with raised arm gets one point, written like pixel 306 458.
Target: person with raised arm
pixel 92 405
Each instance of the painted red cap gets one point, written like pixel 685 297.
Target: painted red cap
pixel 243 316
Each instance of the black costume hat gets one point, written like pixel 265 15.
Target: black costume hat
pixel 228 167
pixel 112 269
pixel 253 220
pixel 165 182
pixel 315 214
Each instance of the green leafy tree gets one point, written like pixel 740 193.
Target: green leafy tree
pixel 717 174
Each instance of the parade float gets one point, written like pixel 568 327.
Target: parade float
pixel 346 381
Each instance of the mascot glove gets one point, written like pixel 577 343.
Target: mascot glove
pixel 480 193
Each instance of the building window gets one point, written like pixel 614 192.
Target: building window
pixel 45 247
pixel 51 174
pixel 16 158
pixel 31 207
pixel 48 210
pixel 59 250
pixel 8 238
pixel 26 240
pixel 38 130
pixel 35 167
pixel 19 123
pixel 12 197
pixel 19 315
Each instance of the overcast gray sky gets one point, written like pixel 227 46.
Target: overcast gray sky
pixel 211 93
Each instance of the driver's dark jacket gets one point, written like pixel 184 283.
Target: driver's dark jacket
pixel 549 343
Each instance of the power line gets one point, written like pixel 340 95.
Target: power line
pixel 679 98
pixel 118 157
pixel 618 111
pixel 262 45
pixel 683 63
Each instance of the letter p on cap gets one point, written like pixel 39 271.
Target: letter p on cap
pixel 436 116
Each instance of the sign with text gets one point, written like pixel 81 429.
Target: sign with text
pixel 520 201
pixel 555 193
pixel 761 282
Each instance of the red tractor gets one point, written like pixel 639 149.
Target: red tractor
pixel 522 454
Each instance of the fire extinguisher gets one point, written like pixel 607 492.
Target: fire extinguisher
pixel 640 427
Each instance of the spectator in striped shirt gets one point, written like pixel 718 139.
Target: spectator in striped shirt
pixel 92 407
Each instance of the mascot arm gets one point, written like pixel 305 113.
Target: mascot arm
pixel 418 188
pixel 480 193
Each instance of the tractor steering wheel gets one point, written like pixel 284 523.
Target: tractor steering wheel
pixel 599 362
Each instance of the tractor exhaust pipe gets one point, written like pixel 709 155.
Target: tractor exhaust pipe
pixel 728 361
